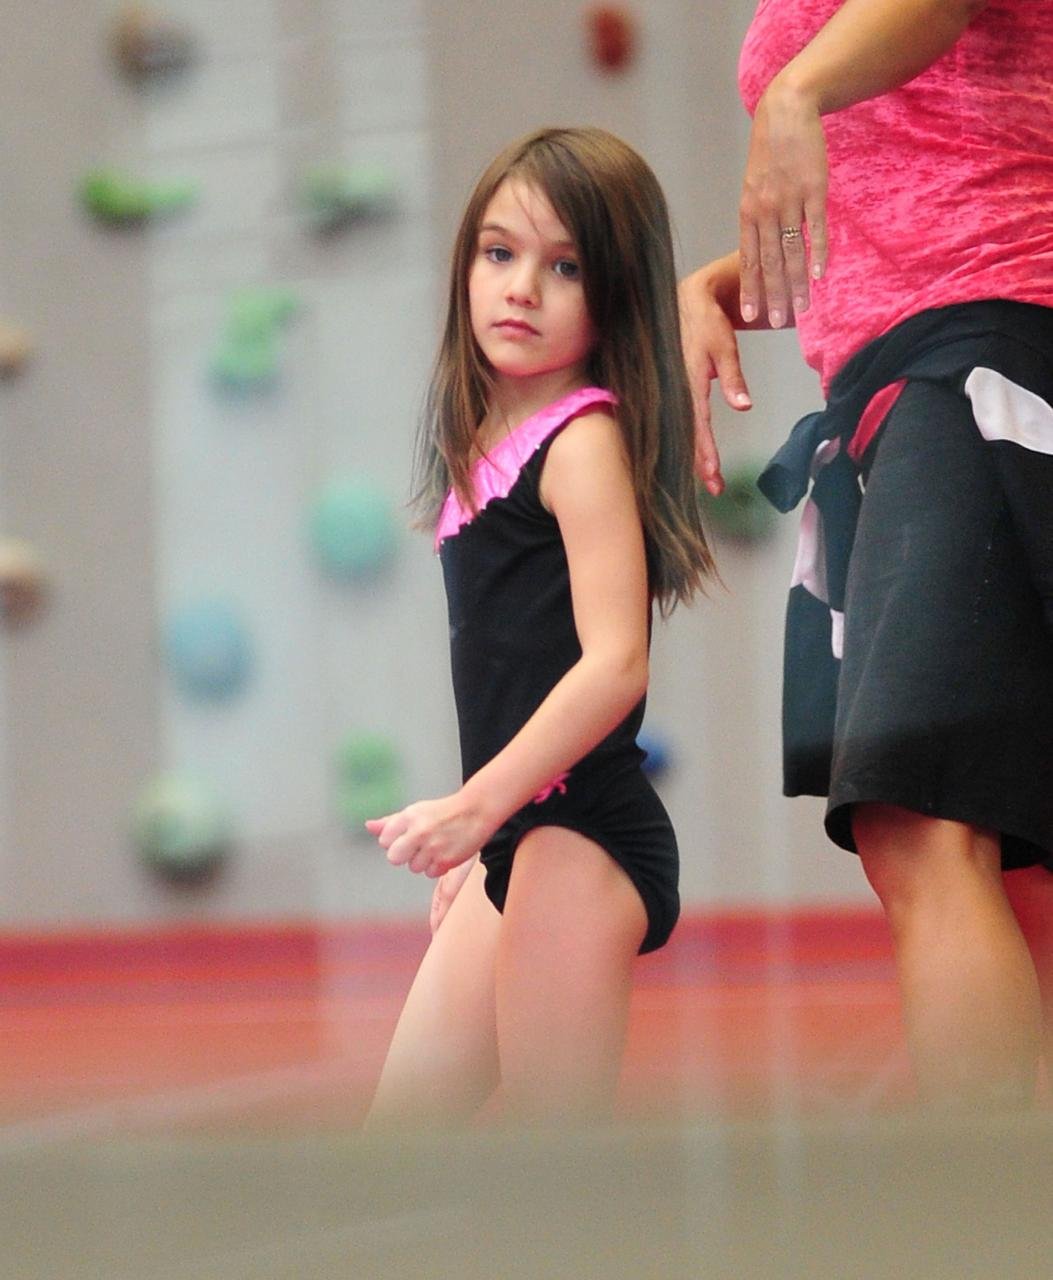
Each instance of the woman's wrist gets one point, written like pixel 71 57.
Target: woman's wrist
pixel 792 94
pixel 717 284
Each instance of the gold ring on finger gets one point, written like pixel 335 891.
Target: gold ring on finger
pixel 790 234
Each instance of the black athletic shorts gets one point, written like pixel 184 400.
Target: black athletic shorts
pixel 945 696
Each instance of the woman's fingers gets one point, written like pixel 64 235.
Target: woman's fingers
pixel 774 272
pixel 725 367
pixel 795 259
pixel 707 458
pixel 815 219
pixel 728 371
pixel 750 287
pixel 782 213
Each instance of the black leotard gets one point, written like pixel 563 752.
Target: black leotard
pixel 512 638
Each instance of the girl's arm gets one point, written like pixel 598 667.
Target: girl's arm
pixel 866 49
pixel 587 486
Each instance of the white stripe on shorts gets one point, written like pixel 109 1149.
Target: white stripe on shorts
pixel 1004 410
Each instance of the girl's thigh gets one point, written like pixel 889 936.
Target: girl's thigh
pixel 573 925
pixel 442 1063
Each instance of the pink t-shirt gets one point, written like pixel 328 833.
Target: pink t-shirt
pixel 940 191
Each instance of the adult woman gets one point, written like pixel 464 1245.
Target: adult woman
pixel 898 207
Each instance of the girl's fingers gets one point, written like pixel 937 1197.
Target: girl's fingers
pixel 399 844
pixel 420 861
pixel 400 852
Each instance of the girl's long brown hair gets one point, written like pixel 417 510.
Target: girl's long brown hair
pixel 611 203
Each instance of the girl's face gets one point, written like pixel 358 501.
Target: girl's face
pixel 525 292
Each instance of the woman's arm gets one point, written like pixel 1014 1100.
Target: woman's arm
pixel 866 49
pixel 586 484
pixel 709 316
pixel 871 46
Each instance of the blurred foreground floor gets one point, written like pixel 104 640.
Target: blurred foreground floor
pixel 889 1197
pixel 184 1105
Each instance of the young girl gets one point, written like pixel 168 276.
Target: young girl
pixel 556 469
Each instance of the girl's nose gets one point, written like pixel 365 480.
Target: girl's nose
pixel 523 286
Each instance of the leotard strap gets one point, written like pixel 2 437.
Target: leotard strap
pixel 494 474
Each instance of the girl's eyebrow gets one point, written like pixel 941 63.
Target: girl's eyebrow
pixel 504 231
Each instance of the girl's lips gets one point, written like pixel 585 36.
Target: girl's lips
pixel 516 326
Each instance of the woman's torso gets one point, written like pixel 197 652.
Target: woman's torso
pixel 940 191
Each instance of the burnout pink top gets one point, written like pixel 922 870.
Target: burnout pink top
pixel 940 191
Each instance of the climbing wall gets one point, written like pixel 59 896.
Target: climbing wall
pixel 224 238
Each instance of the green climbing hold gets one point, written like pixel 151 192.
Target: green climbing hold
pixel 120 200
pixel 181 829
pixel 336 197
pixel 369 779
pixel 741 513
pixel 247 357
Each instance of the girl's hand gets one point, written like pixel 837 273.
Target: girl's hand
pixel 783 191
pixel 432 836
pixel 446 889
pixel 710 351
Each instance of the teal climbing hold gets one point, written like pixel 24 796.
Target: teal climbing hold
pixel 208 650
pixel 353 530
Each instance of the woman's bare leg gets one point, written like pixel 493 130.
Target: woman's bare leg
pixel 573 924
pixel 442 1063
pixel 970 993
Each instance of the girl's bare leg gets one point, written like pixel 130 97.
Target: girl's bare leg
pixel 970 993
pixel 572 926
pixel 442 1063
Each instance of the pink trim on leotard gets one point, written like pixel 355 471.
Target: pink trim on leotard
pixel 494 474
pixel 559 783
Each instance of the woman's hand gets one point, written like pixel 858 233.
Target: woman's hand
pixel 431 836
pixel 783 192
pixel 711 351
pixel 447 887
